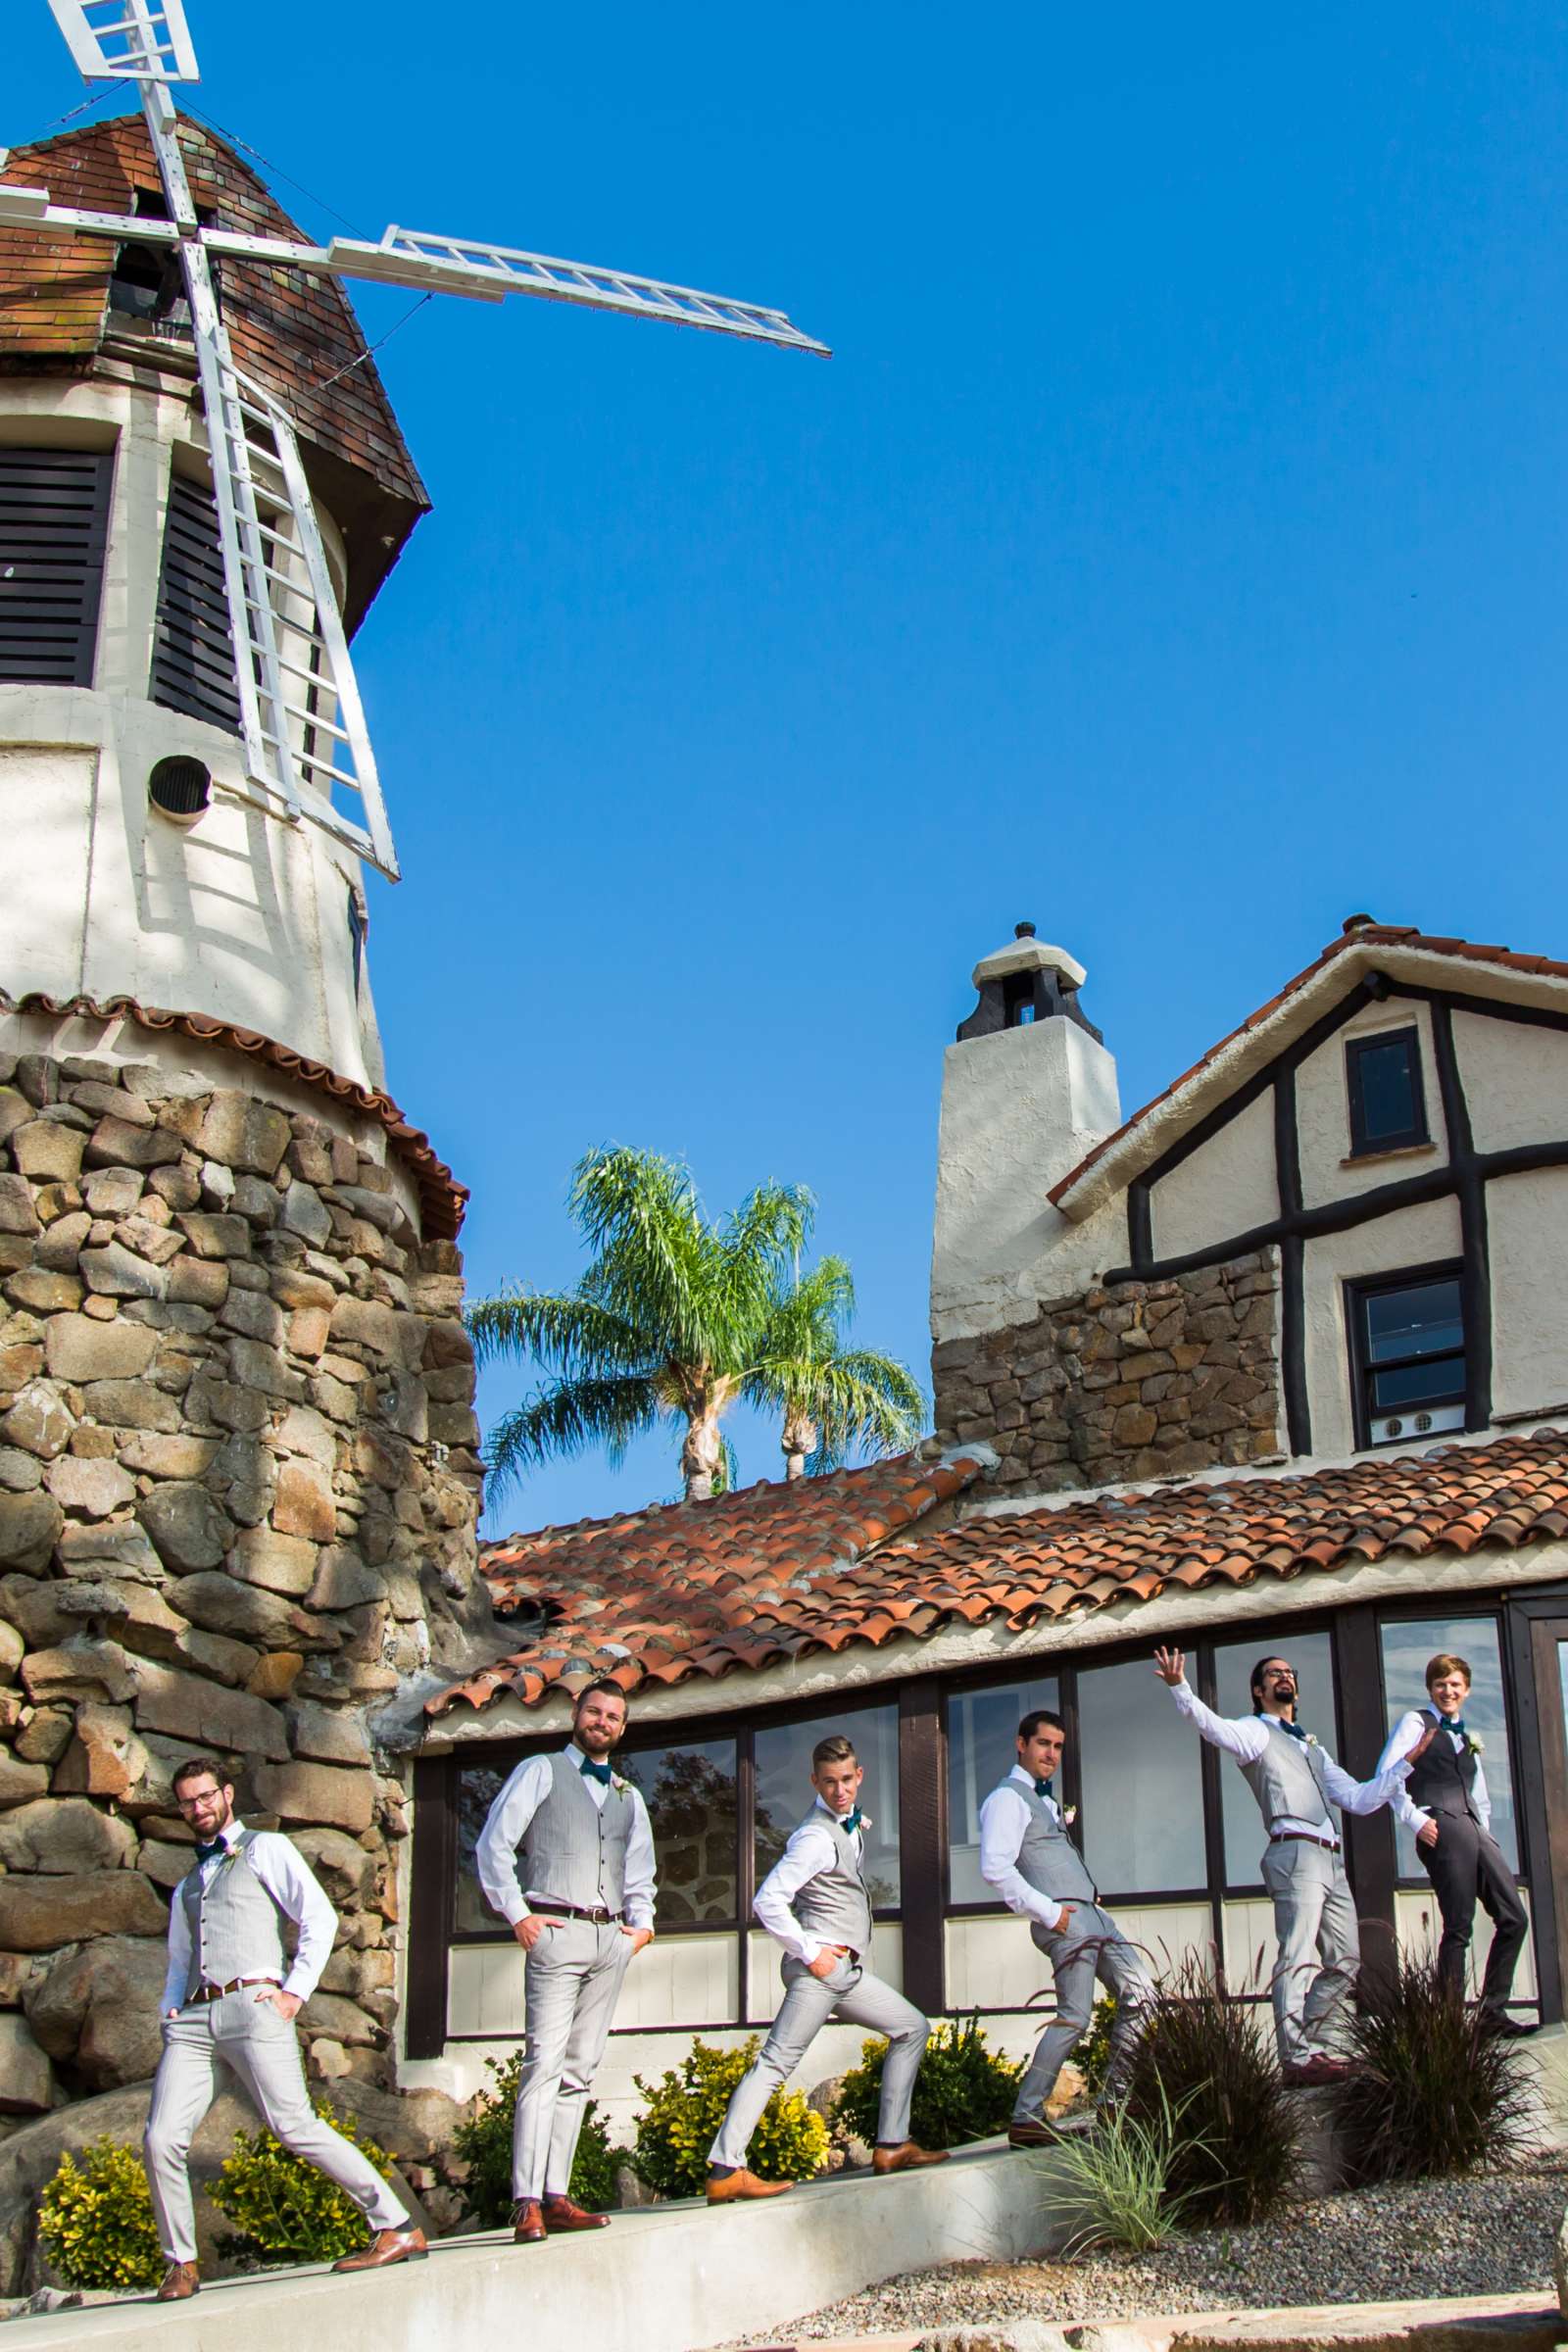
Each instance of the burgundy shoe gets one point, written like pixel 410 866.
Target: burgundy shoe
pixel 527 2223
pixel 907 2157
pixel 560 2213
pixel 1031 2135
pixel 181 2278
pixel 1314 2073
pixel 385 2248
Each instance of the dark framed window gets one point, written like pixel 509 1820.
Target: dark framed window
pixel 1408 1360
pixel 1407 1643
pixel 1382 1081
pixel 193 644
pixel 54 527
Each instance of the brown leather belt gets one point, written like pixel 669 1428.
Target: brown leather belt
pixel 216 1993
pixel 1330 1845
pixel 548 1908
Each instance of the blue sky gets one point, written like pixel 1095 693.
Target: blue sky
pixel 1172 552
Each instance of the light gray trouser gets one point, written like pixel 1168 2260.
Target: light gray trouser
pixel 570 1980
pixel 1092 1946
pixel 1319 1945
pixel 852 1994
pixel 255 2043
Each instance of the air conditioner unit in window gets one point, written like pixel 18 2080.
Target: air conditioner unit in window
pixel 1428 1422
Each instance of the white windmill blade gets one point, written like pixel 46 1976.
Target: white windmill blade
pixel 409 257
pixel 128 40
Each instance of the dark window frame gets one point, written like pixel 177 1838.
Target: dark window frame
pixel 1413 1613
pixel 1357 1290
pixel 61 570
pixel 1368 1147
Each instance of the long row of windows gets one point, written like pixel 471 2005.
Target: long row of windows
pixel 722 1806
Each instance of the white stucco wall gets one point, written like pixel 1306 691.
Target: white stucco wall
pixel 1409 1237
pixel 1527 1230
pixel 1515 1080
pixel 1323 1110
pixel 1226 1187
pixel 240 916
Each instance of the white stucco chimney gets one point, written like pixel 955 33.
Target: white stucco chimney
pixel 1027 1089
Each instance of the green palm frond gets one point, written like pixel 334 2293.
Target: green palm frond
pixel 568 1417
pixel 560 1332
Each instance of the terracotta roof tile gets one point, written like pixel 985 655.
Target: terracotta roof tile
pixel 690 1589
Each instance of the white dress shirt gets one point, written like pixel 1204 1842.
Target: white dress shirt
pixel 1403 1737
pixel 809 1851
pixel 495 1857
pixel 1004 1818
pixel 282 1870
pixel 1246 1739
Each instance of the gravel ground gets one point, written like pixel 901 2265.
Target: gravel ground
pixel 1489 2236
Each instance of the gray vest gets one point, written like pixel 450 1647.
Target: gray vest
pixel 236 1928
pixel 1048 1860
pixel 1288 1782
pixel 1444 1781
pixel 836 1905
pixel 576 1849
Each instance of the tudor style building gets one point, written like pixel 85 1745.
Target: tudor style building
pixel 1279 1362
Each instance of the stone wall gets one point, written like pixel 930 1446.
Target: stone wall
pixel 238 1487
pixel 1133 1380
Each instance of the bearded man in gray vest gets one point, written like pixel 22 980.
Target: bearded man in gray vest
pixel 815 1902
pixel 1299 1790
pixel 230 1999
pixel 1028 1858
pixel 582 1906
pixel 1447 1803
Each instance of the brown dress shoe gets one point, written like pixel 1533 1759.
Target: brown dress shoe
pixel 908 2158
pixel 729 2188
pixel 560 2213
pixel 386 2247
pixel 527 2223
pixel 1031 2135
pixel 181 2278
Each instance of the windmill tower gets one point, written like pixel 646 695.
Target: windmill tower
pixel 238 1456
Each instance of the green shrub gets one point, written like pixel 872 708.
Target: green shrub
pixel 1114 2183
pixel 1429 2092
pixel 683 2111
pixel 964 2090
pixel 282 2208
pixel 1210 2061
pixel 484 2144
pixel 1092 2057
pixel 96 2220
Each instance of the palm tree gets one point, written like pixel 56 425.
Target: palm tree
pixel 676 1319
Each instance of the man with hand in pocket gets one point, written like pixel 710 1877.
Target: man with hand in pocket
pixel 817 1903
pixel 230 1999
pixel 582 1906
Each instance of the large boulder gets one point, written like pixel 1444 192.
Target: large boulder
pixel 96 2009
pixel 27 2083
pixel 63 1835
pixel 39 1914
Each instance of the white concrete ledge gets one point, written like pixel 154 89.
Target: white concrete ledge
pixel 671 2278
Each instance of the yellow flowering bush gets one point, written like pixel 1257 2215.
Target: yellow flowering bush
pixel 685 2108
pixel 283 2210
pixel 96 2220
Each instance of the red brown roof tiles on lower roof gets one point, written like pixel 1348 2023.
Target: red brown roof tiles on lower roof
pixel 681 1587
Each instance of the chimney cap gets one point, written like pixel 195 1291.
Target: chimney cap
pixel 1358 922
pixel 1024 952
pixel 1023 930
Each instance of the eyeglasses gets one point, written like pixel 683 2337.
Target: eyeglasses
pixel 203 1797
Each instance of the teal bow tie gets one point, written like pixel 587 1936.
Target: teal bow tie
pixel 1453 1723
pixel 1047 1788
pixel 208 1853
pixel 1283 1723
pixel 853 1820
pixel 596 1772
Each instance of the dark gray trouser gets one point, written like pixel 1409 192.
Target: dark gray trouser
pixel 571 1982
pixel 1319 1945
pixel 1465 1864
pixel 260 2047
pixel 852 1994
pixel 1093 1948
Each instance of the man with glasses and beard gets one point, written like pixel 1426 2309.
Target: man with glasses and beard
pixel 1299 1790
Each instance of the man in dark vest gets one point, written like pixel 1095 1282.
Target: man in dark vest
pixel 1301 1792
pixel 1446 1804
pixel 1028 1858
pixel 582 1905
pixel 230 1999
pixel 815 1902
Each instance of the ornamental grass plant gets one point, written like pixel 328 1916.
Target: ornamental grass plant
pixel 482 2144
pixel 683 2110
pixel 1430 2092
pixel 96 2220
pixel 1210 2060
pixel 1116 2184
pixel 964 2090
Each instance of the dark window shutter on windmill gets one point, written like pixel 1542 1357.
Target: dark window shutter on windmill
pixel 193 647
pixel 54 525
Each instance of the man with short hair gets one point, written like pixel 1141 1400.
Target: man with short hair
pixel 815 1902
pixel 581 1908
pixel 1446 1802
pixel 230 1998
pixel 1300 1790
pixel 1028 1858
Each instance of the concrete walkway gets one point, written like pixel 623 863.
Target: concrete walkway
pixel 671 2278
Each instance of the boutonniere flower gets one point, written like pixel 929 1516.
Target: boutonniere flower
pixel 867 1822
pixel 1311 1738
pixel 1474 1744
pixel 621 1786
pixel 1069 1815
